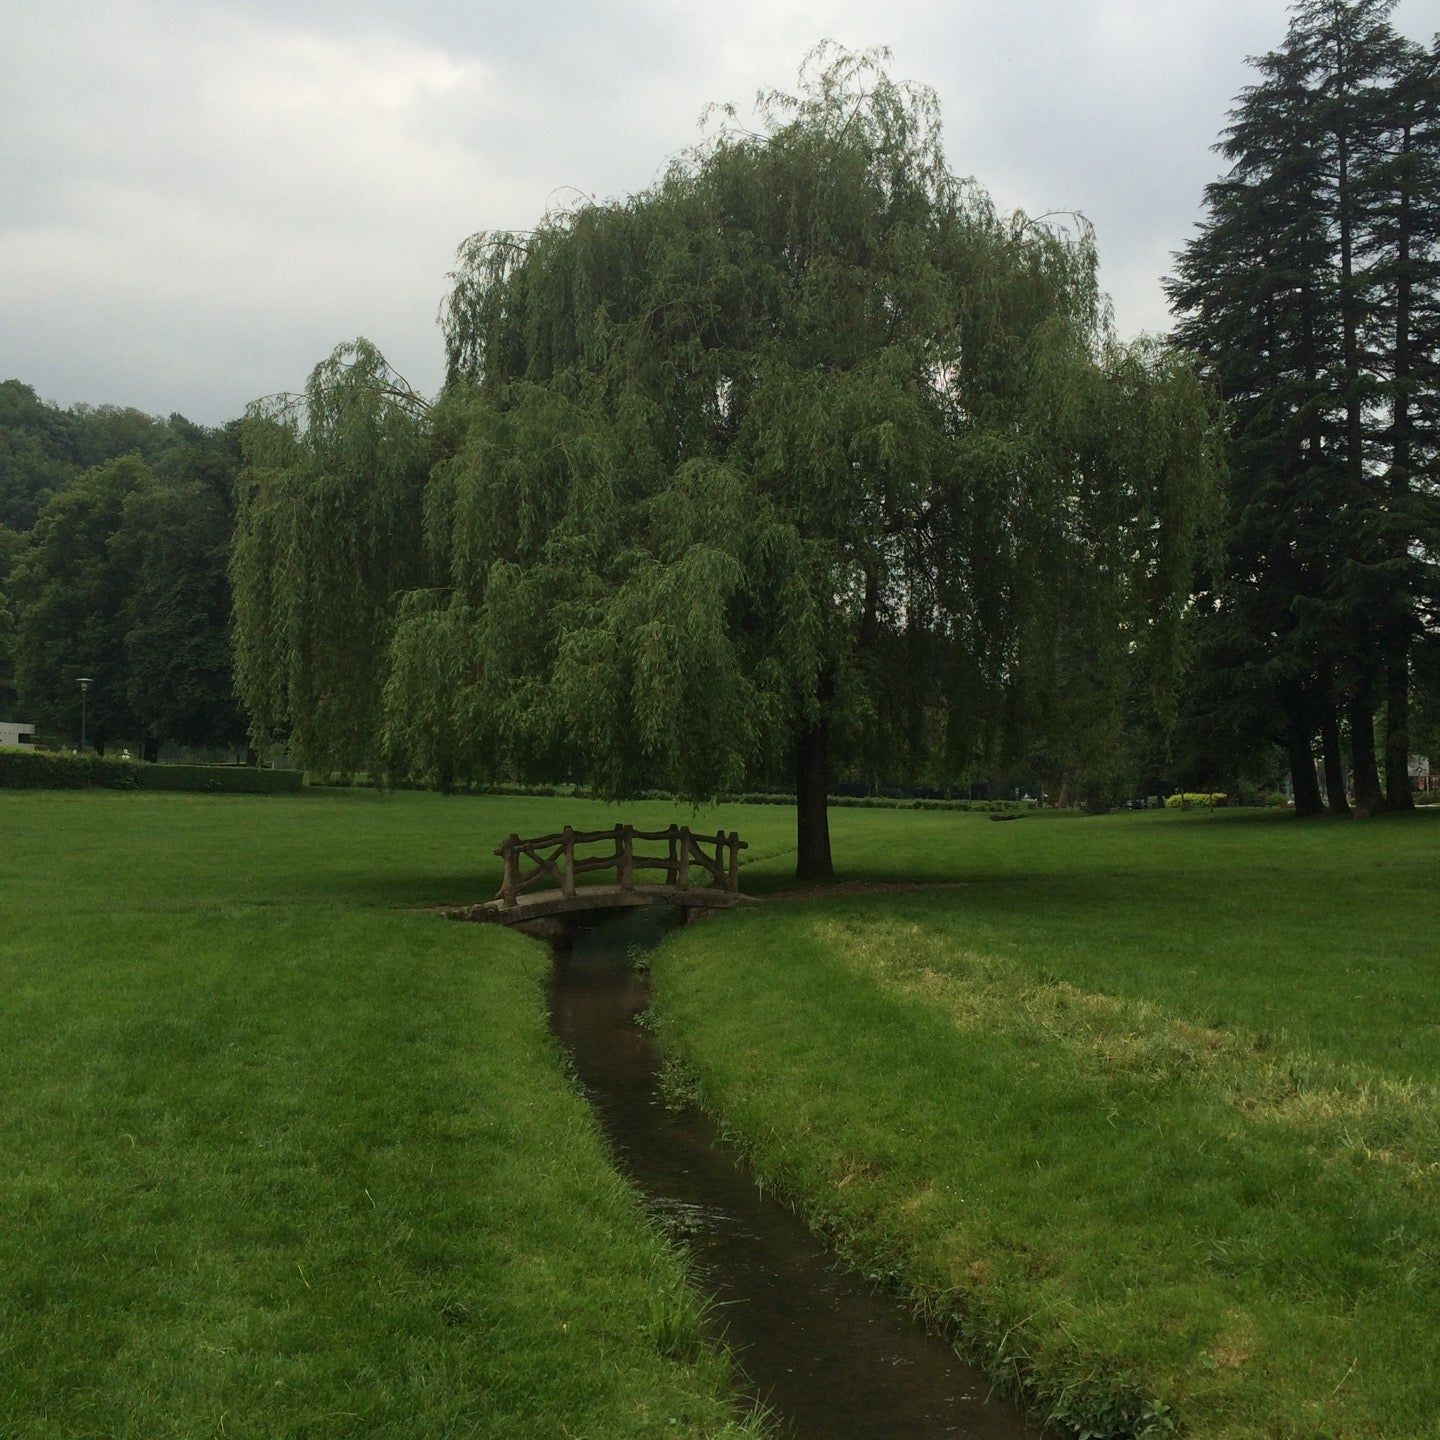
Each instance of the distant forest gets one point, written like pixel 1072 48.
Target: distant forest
pixel 115 530
pixel 387 550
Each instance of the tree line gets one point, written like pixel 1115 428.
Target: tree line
pixel 1311 297
pixel 115 530
pixel 805 463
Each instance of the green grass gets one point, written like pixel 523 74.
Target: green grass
pixel 1148 1108
pixel 1145 1105
pixel 280 1159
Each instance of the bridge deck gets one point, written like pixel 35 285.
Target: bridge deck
pixel 547 903
pixel 529 864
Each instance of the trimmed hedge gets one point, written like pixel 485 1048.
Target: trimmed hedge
pixel 891 802
pixel 229 779
pixel 754 797
pixel 55 770
pixel 1195 800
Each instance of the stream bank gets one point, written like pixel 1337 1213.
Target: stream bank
pixel 818 1344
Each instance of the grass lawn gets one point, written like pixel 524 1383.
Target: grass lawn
pixel 1148 1107
pixel 279 1159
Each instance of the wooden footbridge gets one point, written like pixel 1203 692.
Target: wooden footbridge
pixel 699 872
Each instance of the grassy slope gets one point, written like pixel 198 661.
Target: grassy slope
pixel 280 1160
pixel 1149 1105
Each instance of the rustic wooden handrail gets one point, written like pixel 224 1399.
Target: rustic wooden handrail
pixel 554 858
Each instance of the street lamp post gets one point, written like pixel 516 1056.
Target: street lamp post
pixel 85 684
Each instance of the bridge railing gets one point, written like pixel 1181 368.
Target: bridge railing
pixel 690 861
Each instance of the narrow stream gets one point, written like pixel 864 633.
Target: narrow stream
pixel 833 1357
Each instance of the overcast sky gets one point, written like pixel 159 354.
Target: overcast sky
pixel 198 200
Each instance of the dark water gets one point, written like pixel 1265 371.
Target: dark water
pixel 833 1357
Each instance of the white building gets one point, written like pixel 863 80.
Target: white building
pixel 16 732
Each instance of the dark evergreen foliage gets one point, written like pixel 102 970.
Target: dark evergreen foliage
pixel 1310 296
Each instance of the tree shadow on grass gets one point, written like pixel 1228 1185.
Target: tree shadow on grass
pixel 411 889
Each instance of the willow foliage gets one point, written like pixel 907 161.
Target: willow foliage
pixel 328 532
pixel 804 450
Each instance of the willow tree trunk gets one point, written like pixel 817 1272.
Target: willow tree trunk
pixel 812 809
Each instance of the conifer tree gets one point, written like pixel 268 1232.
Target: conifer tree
pixel 1251 290
pixel 1400 196
pixel 1307 292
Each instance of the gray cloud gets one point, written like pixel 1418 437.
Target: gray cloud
pixel 198 200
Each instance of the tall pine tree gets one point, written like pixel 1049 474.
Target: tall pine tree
pixel 1307 292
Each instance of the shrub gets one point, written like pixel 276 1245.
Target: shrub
pixel 839 798
pixel 220 779
pixel 1195 800
pixel 55 770
pixel 841 801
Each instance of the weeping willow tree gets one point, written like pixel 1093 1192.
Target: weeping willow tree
pixel 328 533
pixel 803 451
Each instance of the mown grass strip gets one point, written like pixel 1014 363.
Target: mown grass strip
pixel 1144 1219
pixel 275 1165
pixel 225 981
